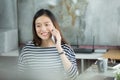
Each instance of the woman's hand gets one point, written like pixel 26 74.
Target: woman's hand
pixel 57 36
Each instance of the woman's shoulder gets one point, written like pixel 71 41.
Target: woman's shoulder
pixel 27 44
pixel 66 46
pixel 69 50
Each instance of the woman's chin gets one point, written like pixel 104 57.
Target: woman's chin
pixel 45 39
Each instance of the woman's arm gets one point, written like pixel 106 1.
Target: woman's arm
pixel 67 64
pixel 69 61
pixel 67 56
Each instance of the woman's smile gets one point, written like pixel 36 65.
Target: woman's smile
pixel 44 33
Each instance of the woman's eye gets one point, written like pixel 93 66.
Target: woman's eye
pixel 37 25
pixel 47 24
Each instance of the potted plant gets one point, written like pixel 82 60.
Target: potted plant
pixel 117 74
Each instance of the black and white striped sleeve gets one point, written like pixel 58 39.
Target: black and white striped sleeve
pixel 21 64
pixel 72 72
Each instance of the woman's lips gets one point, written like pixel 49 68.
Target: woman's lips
pixel 44 34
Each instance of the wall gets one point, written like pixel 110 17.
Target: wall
pixel 103 21
pixel 8 26
pixel 8 14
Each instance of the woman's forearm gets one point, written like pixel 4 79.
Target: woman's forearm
pixel 66 62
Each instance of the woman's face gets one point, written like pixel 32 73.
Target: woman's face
pixel 43 26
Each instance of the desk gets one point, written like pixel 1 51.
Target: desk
pixel 91 74
pixel 83 56
pixel 112 54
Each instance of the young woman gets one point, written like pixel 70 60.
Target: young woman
pixel 47 56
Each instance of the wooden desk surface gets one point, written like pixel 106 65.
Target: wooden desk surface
pixel 112 54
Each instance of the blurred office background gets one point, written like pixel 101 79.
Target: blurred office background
pixel 81 21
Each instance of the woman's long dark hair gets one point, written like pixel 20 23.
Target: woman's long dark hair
pixel 37 40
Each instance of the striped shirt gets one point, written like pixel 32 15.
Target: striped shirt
pixel 46 63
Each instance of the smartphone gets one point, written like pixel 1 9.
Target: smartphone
pixel 53 38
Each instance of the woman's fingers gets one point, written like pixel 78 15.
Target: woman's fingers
pixel 54 31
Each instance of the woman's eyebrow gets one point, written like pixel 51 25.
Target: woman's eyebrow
pixel 47 22
pixel 43 22
pixel 38 23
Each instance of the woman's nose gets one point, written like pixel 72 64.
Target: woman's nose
pixel 43 28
